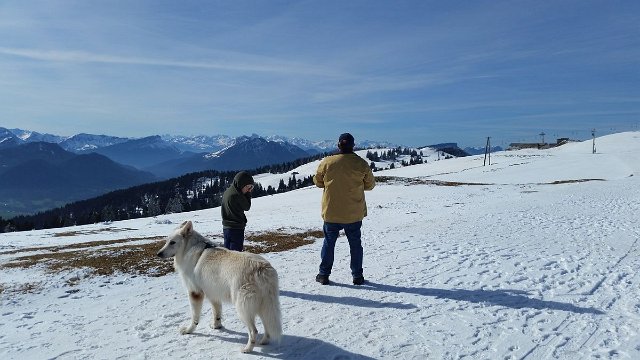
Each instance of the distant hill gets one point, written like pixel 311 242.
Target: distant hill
pixel 143 153
pixel 449 148
pixel 20 154
pixel 40 175
pixel 246 153
pixel 480 150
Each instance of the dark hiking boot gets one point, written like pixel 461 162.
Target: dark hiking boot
pixel 358 280
pixel 322 279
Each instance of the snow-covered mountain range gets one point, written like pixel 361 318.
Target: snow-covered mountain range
pixel 244 153
pixel 193 143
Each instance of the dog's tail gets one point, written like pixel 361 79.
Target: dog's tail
pixel 273 321
pixel 271 315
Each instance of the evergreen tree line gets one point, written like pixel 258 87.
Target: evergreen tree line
pixel 193 191
pixel 393 154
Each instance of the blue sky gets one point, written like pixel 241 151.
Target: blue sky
pixel 410 72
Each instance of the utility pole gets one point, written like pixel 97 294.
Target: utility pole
pixel 593 134
pixel 487 150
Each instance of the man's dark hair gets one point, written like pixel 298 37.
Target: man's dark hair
pixel 346 143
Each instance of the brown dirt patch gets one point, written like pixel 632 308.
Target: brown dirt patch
pixel 277 241
pixel 91 232
pixel 131 258
pixel 571 181
pixel 75 246
pixel 414 181
pixel 138 259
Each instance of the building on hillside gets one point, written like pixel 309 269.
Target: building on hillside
pixel 522 146
pixel 539 146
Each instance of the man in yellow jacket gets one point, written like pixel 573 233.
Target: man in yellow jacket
pixel 344 177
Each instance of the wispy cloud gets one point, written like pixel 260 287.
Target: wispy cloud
pixel 268 66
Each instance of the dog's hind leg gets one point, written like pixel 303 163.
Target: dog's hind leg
pixel 216 322
pixel 196 298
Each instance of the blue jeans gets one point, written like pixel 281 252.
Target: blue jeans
pixel 331 233
pixel 233 239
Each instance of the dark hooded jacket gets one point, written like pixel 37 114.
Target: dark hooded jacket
pixel 235 203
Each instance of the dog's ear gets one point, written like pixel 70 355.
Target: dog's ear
pixel 187 229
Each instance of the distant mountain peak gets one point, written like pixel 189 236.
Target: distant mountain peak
pixel 244 138
pixel 33 136
pixel 8 139
pixel 82 143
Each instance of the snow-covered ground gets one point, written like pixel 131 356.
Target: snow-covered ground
pixel 506 265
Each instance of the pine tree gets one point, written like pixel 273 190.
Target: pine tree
pixel 152 205
pixel 174 206
pixel 108 214
pixel 281 186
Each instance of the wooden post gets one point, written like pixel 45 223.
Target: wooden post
pixel 487 151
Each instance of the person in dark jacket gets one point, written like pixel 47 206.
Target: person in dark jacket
pixel 235 201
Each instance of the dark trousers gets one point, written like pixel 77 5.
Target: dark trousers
pixel 331 233
pixel 233 239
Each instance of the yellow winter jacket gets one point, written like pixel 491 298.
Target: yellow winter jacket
pixel 344 178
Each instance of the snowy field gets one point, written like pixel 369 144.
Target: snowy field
pixel 533 257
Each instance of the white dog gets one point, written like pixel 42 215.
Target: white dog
pixel 246 280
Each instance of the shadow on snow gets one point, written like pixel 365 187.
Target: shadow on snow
pixel 346 300
pixel 291 347
pixel 515 299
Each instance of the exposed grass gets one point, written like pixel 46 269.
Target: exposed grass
pixel 571 181
pixel 84 245
pixel 131 259
pixel 444 183
pixel 414 181
pixel 281 241
pixel 90 232
pixel 137 259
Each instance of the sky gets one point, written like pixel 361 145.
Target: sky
pixel 409 72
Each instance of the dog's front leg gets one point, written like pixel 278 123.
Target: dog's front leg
pixel 196 298
pixel 216 322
